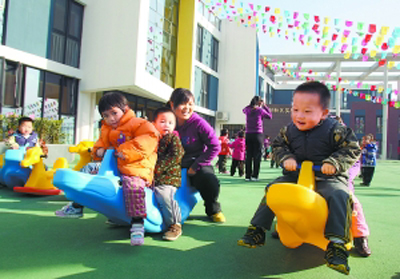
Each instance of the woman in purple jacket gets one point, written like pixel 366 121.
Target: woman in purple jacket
pixel 255 113
pixel 201 146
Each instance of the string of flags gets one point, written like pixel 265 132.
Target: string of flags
pixel 354 39
pixel 376 94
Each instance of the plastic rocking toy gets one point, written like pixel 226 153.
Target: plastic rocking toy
pixel 39 182
pixel 301 212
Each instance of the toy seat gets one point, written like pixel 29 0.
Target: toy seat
pixel 40 179
pixel 301 212
pixel 103 193
pixel 12 174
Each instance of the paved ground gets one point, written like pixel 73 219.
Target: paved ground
pixel 36 244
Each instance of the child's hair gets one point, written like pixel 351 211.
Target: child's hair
pixel 224 132
pixel 24 119
pixel 241 134
pixel 111 100
pixel 318 88
pixel 255 101
pixel 180 96
pixel 161 110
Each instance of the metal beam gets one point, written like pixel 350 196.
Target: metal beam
pixel 370 71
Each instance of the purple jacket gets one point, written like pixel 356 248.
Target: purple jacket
pixel 254 118
pixel 28 142
pixel 239 149
pixel 199 141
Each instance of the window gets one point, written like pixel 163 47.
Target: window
pixel 360 125
pixel 67 32
pixel 199 43
pixel 10 87
pixel 214 54
pixel 379 124
pixel 162 40
pixel 204 91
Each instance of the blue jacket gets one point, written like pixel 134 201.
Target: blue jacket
pixel 369 155
pixel 28 142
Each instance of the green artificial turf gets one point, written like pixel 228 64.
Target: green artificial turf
pixel 36 244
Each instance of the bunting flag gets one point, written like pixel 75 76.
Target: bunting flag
pixel 376 95
pixel 344 35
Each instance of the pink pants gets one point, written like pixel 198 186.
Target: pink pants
pixel 359 227
pixel 134 195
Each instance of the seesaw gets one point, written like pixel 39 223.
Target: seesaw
pixel 301 212
pixel 12 173
pixel 103 193
pixel 40 179
pixel 83 149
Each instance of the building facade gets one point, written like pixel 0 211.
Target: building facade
pixel 58 57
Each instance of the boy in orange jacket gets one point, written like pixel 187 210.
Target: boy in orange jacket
pixel 135 141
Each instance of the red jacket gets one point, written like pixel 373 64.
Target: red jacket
pixel 224 143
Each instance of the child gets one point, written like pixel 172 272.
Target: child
pixel 25 136
pixel 225 151
pixel 266 147
pixel 238 155
pixel 324 141
pixel 135 142
pixel 368 162
pixel 167 173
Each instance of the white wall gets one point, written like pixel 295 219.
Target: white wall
pixel 237 69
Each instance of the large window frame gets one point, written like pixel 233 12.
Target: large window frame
pixel 214 54
pixel 66 36
pixel 199 43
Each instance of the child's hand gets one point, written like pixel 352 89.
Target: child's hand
pixel 290 164
pixel 100 152
pixel 328 169
pixel 119 155
pixel 15 146
pixel 191 171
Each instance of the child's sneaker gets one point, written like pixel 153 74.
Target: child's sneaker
pixel 69 211
pixel 174 231
pixel 137 234
pixel 255 236
pixel 336 257
pixel 218 217
pixel 361 246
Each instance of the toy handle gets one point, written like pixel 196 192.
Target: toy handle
pixel 315 168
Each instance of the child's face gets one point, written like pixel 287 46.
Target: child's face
pixel 25 128
pixel 165 123
pixel 113 116
pixel 307 111
pixel 184 111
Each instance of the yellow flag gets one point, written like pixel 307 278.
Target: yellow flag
pixel 384 30
pixel 396 49
pixel 326 20
pixel 326 29
pixel 390 64
pixel 347 55
pixel 372 53
pixel 326 43
pixel 344 39
pixel 379 40
pixel 380 89
pixel 277 11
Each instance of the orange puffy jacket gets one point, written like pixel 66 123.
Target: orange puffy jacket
pixel 137 139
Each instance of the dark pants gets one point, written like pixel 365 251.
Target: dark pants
pixel 222 163
pixel 207 184
pixel 339 201
pixel 237 164
pixel 368 173
pixel 254 147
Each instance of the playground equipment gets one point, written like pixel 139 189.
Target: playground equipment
pixel 83 149
pixel 301 212
pixel 39 181
pixel 103 193
pixel 12 174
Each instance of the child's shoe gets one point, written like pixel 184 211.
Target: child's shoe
pixel 137 234
pixel 218 217
pixel 255 236
pixel 361 246
pixel 174 231
pixel 69 211
pixel 336 257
